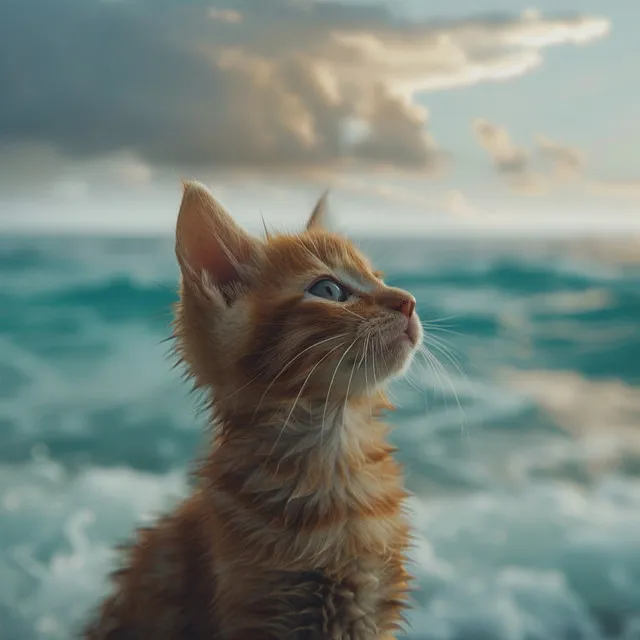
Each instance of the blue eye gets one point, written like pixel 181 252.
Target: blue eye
pixel 329 290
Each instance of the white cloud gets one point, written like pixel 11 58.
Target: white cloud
pixel 565 164
pixel 457 204
pixel 447 54
pixel 393 190
pixel 615 188
pixel 225 15
pixel 497 142
pixel 512 162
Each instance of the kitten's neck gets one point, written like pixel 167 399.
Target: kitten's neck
pixel 333 431
pixel 305 476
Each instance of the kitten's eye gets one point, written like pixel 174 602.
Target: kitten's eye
pixel 329 290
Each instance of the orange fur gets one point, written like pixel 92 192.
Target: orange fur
pixel 296 527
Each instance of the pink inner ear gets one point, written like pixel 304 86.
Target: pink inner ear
pixel 205 253
pixel 208 239
pixel 203 250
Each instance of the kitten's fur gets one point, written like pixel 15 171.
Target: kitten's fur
pixel 296 527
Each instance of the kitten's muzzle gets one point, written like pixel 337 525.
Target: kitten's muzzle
pixel 403 329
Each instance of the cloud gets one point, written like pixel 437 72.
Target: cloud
pixel 268 84
pixel 564 163
pixel 567 162
pixel 225 15
pixel 398 129
pixel 417 196
pixel 444 54
pixel 72 178
pixel 512 162
pixel 615 188
pixel 496 141
pixel 457 204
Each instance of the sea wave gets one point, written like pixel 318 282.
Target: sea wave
pixel 522 450
pixel 540 561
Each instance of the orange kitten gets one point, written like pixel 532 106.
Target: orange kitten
pixel 296 526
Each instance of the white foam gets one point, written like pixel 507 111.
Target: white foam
pixel 57 534
pixel 527 564
pixel 511 565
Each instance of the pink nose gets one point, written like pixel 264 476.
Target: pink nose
pixel 399 300
pixel 406 306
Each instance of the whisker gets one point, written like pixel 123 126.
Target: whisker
pixel 357 315
pixel 366 372
pixel 430 328
pixel 442 348
pixel 451 352
pixel 439 320
pixel 326 402
pixel 447 351
pixel 373 359
pixel 445 375
pixel 429 361
pixel 385 360
pixel 317 344
pixel 346 396
pixel 244 386
pixel 297 398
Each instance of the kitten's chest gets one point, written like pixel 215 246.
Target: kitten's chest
pixel 365 562
pixel 363 604
pixel 371 588
pixel 354 606
pixel 312 605
pixel 359 606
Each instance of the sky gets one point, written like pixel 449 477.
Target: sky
pixel 465 115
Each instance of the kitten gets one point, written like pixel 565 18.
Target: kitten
pixel 296 527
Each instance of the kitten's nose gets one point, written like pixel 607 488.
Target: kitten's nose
pixel 407 306
pixel 399 300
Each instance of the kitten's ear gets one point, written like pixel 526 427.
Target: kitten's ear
pixel 209 240
pixel 320 218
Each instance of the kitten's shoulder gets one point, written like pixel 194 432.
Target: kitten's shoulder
pixel 165 582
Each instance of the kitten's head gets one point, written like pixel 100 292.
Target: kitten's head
pixel 291 316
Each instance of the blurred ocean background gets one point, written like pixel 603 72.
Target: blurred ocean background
pixel 522 450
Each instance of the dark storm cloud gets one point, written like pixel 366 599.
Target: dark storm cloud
pixel 265 83
pixel 170 81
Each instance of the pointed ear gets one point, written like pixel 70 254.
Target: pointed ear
pixel 208 239
pixel 320 218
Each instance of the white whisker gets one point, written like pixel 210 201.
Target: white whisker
pixel 317 344
pixel 366 372
pixel 357 315
pixel 297 398
pixel 437 366
pixel 326 402
pixel 431 328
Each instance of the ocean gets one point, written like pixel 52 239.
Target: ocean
pixel 521 448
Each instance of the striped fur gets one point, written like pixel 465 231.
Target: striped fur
pixel 296 527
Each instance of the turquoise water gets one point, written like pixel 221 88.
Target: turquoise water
pixel 523 454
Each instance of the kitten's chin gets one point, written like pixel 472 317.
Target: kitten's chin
pixel 401 354
pixel 403 346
